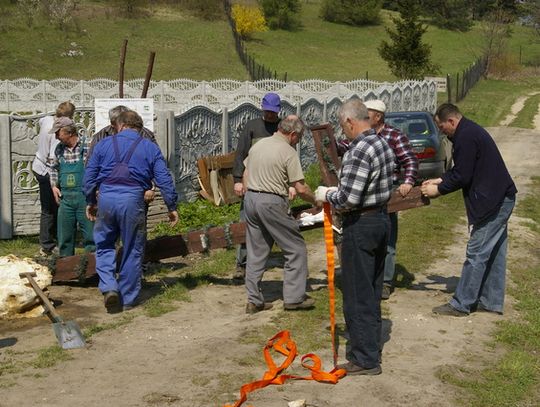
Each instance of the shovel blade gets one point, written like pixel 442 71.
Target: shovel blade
pixel 69 335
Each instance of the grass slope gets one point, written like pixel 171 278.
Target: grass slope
pixel 185 46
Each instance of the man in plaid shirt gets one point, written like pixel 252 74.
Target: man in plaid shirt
pixel 67 174
pixel 365 186
pixel 406 159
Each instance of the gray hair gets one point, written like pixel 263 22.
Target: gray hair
pixel 292 124
pixel 353 109
pixel 116 111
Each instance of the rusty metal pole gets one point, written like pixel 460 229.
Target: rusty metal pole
pixel 121 73
pixel 148 74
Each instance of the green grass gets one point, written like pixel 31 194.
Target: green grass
pixel 97 328
pixel 529 207
pixel 338 52
pixel 525 118
pixel 48 357
pixel 185 46
pixel 26 246
pixel 513 380
pixel 189 47
pixel 490 100
pixel 424 234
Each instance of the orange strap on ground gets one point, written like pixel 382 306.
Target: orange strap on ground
pixel 282 343
pixel 329 241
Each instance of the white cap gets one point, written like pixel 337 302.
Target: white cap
pixel 377 105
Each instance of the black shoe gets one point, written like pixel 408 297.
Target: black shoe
pixel 111 300
pixel 253 309
pixel 448 310
pixel 308 303
pixel 355 370
pixel 387 290
pixel 239 275
pixel 481 308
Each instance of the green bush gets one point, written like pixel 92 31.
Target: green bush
pixel 351 12
pixel 281 13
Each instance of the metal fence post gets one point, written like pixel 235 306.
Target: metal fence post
pixel 6 210
pixel 448 88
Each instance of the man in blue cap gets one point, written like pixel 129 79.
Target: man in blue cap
pixel 253 131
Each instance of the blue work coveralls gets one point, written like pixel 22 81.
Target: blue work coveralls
pixel 122 168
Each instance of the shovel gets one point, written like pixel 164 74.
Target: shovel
pixel 68 333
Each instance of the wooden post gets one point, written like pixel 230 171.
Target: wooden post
pixel 121 73
pixel 148 74
pixel 448 88
pixel 457 87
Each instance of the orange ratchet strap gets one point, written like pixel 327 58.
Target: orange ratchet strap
pixel 282 343
pixel 329 241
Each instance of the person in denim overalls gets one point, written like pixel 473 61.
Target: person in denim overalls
pixel 66 181
pixel 122 167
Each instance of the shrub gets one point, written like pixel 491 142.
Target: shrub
pixel 248 20
pixel 449 14
pixel 407 56
pixel 352 12
pixel 281 13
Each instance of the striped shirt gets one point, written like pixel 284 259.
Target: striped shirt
pixel 71 155
pixel 366 173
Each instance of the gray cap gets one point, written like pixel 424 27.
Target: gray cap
pixel 60 122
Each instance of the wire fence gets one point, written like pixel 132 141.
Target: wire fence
pixel 256 70
pixel 457 87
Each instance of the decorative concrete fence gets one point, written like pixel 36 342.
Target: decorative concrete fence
pixel 183 138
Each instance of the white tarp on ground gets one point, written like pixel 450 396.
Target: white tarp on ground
pixel 17 298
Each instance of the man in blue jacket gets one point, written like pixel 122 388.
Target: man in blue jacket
pixel 122 167
pixel 489 194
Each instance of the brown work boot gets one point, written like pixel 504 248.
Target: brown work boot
pixel 387 290
pixel 111 300
pixel 308 303
pixel 253 308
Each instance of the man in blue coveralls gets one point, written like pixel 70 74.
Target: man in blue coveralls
pixel 122 167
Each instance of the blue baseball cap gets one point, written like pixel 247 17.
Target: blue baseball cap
pixel 271 102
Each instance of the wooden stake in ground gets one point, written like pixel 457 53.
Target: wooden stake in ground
pixel 121 73
pixel 148 74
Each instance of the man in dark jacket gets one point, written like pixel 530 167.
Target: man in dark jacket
pixel 489 193
pixel 253 131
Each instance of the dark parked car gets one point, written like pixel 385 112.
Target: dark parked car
pixel 433 149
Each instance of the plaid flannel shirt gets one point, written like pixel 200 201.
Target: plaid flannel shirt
pixel 405 157
pixel 366 173
pixel 70 156
pixel 401 146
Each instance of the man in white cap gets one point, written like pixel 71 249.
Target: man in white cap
pixel 253 131
pixel 406 159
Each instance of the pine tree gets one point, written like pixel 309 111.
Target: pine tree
pixel 407 56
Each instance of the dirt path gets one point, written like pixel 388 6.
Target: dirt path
pixel 189 356
pixel 516 108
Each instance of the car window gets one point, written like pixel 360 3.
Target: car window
pixel 414 127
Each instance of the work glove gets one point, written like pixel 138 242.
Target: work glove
pixel 321 192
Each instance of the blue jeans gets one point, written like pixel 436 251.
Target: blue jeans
pixel 362 263
pixel 482 281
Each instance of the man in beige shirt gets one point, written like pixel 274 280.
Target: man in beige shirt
pixel 272 166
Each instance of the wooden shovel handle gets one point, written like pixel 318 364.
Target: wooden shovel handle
pixel 49 308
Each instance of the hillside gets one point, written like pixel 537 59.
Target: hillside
pixel 189 47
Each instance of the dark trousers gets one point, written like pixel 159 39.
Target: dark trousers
pixel 362 263
pixel 49 213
